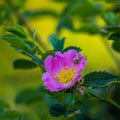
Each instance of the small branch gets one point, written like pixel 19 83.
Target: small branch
pixel 107 100
pixel 110 101
pixel 21 17
pixel 30 29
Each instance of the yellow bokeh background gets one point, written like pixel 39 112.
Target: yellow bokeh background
pixel 92 46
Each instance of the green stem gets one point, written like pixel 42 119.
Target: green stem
pixel 25 21
pixel 108 100
pixel 29 27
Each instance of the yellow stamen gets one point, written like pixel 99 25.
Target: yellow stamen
pixel 66 75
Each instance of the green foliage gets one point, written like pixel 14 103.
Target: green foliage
pixel 78 9
pixel 69 98
pixel 15 41
pixel 18 4
pixel 85 12
pixel 3 104
pixel 57 43
pixel 72 113
pixel 6 113
pixel 40 13
pixel 21 41
pixel 1 110
pixel 50 52
pixel 75 110
pixel 24 64
pixel 67 23
pixel 17 30
pixel 72 47
pixel 5 15
pixel 34 58
pixel 91 28
pixel 116 46
pixel 50 99
pixel 10 115
pixel 28 96
pixel 116 41
pixel 110 18
pixel 57 110
pixel 112 83
pixel 98 79
pixel 64 1
pixel 114 36
pixel 112 28
pixel 112 1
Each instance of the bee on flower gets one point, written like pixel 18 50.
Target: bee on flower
pixel 63 70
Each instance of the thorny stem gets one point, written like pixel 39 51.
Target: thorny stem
pixel 21 17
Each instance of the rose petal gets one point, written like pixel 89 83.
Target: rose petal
pixel 69 56
pixel 51 83
pixel 52 65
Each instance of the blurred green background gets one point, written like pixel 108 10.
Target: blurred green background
pixel 92 46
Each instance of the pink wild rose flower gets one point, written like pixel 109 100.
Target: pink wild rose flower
pixel 63 70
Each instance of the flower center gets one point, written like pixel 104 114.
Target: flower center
pixel 66 75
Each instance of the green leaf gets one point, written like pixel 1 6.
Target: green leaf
pixel 112 28
pixel 18 39
pixel 91 28
pixel 114 36
pixel 65 1
pixel 50 52
pixel 1 110
pixel 21 44
pixel 65 23
pixel 5 15
pixel 10 115
pixel 57 110
pixel 110 18
pixel 72 113
pixel 111 1
pixel 18 5
pixel 15 41
pixel 78 9
pixel 72 47
pixel 34 58
pixel 51 100
pixel 28 96
pixel 75 110
pixel 24 64
pixel 116 45
pixel 57 43
pixel 17 30
pixel 70 99
pixel 3 104
pixel 112 83
pixel 40 12
pixel 98 79
pixel 78 109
